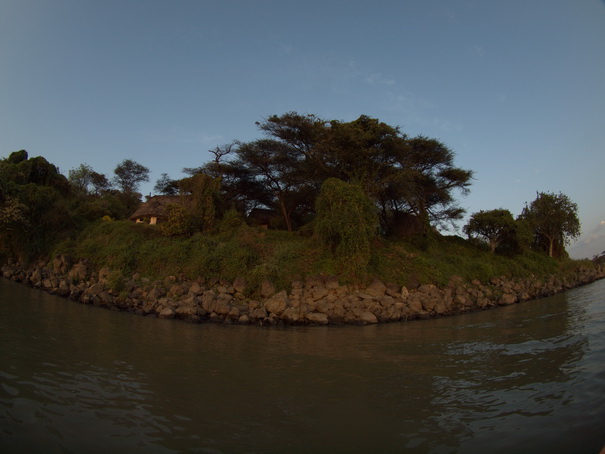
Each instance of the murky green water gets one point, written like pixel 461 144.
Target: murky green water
pixel 525 378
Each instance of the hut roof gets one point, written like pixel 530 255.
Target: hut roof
pixel 156 206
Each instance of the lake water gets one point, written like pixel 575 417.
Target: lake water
pixel 525 378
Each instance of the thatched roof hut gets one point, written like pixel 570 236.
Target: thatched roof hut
pixel 155 209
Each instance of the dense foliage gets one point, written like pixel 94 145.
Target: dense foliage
pixel 346 222
pixel 497 227
pixel 342 193
pixel 285 170
pixel 553 218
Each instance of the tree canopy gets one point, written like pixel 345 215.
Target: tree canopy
pixel 129 174
pixel 495 226
pixel 554 221
pixel 285 170
pixel 345 181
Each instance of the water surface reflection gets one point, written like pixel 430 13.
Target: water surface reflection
pixel 523 378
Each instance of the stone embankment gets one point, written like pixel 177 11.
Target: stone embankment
pixel 318 300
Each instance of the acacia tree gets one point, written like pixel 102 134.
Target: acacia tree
pixel 495 226
pixel 286 169
pixel 274 166
pixel 424 182
pixel 129 174
pixel 554 221
pixel 166 185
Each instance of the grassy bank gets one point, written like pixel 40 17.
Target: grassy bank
pixel 257 254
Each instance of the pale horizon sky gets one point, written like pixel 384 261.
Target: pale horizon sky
pixel 515 89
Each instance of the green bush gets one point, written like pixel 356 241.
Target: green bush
pixel 346 222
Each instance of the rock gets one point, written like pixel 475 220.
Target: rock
pixel 178 290
pixel 429 304
pixel 507 298
pixel 207 298
pixel 221 307
pixel 104 274
pixel 291 314
pixel 267 289
pixel 318 292
pixel 368 317
pixel 317 317
pixel 277 303
pixel 48 284
pixel 78 272
pixel 166 313
pixel 258 313
pixel 234 313
pixel 185 311
pixel 239 285
pixel 387 301
pixel 195 289
pixel 415 306
pixel 440 308
pixel 106 298
pixel 376 289
pixel 36 277
pixel 393 290
pixel 94 289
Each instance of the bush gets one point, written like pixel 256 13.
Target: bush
pixel 346 222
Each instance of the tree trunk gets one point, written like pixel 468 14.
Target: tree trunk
pixel 285 213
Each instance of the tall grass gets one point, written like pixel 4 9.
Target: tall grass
pixel 256 255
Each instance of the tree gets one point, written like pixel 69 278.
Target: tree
pixel 554 221
pixel 302 134
pixel 202 192
pixel 427 180
pixel 33 208
pixel 346 222
pixel 84 180
pixel 129 174
pixel 275 167
pixel 17 156
pixel 286 169
pixel 166 185
pixel 495 226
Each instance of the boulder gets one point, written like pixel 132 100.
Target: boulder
pixel 167 312
pixel 317 318
pixel 292 314
pixel 78 272
pixel 376 289
pixel 368 317
pixel 415 306
pixel 507 298
pixel 277 303
pixel 195 289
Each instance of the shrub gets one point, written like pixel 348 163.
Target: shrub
pixel 346 222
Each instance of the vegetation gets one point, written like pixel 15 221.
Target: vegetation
pixel 346 223
pixel 340 191
pixel 497 227
pixel 553 219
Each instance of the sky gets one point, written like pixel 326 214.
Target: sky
pixel 516 89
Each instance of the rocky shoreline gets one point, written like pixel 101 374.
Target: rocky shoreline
pixel 319 300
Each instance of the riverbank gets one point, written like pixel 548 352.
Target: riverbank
pixel 318 300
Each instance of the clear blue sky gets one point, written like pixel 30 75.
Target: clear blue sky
pixel 516 88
